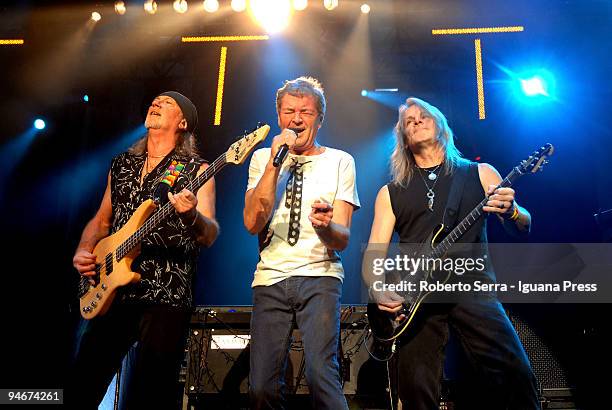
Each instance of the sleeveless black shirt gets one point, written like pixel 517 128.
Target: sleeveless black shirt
pixel 168 258
pixel 414 221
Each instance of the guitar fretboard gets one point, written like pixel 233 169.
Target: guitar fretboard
pixel 470 219
pixel 165 210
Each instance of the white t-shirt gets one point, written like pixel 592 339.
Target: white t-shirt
pixel 328 176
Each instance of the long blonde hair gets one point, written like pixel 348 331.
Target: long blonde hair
pixel 402 160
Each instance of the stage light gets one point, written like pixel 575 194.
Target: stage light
pixel 223 38
pixel 95 16
pixel 477 30
pixel 300 4
pixel 211 5
pixel 533 86
pixel 220 85
pixel 479 79
pixel 365 8
pixel 11 41
pixel 272 15
pixel 238 5
pixel 364 93
pixel 180 6
pixel 39 124
pixel 538 85
pixel 330 4
pixel 150 6
pixel 120 8
pixel 86 98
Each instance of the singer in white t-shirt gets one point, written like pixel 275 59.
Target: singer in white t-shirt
pixel 300 199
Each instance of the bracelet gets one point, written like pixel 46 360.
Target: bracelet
pixel 194 220
pixel 192 223
pixel 515 214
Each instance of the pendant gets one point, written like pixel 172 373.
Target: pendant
pixel 430 202
pixel 432 176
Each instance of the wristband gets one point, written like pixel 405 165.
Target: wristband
pixel 195 219
pixel 515 214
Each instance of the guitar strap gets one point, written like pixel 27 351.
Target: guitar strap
pixel 168 179
pixel 451 212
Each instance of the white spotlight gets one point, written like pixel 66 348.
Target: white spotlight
pixel 300 4
pixel 272 15
pixel 120 8
pixel 239 5
pixel 211 5
pixel 330 4
pixel 150 6
pixel 180 6
pixel 39 124
pixel 365 8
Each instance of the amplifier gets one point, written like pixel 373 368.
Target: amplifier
pixel 545 363
pixel 218 355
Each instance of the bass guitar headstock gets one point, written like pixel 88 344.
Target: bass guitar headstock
pixel 240 150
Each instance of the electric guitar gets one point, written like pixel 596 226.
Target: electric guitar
pixel 115 253
pixel 385 325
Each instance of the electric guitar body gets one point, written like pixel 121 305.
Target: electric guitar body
pixel 107 283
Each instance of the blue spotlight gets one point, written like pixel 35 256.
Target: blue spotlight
pixel 534 86
pixel 39 124
pixel 364 93
pixel 86 98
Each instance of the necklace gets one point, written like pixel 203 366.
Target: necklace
pixel 432 174
pixel 148 162
pixel 156 156
pixel 148 167
pixel 431 195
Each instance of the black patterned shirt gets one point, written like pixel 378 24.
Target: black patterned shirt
pixel 168 257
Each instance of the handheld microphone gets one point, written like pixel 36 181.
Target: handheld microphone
pixel 279 158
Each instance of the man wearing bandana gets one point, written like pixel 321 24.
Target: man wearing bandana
pixel 152 314
pixel 302 212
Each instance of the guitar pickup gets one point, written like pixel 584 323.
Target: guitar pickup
pixel 108 263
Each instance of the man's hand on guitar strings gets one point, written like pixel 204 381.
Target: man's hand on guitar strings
pixel 501 201
pixel 185 203
pixel 85 263
pixel 389 301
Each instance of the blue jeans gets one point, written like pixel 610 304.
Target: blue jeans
pixel 314 304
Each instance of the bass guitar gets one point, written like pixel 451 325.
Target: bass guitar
pixel 115 253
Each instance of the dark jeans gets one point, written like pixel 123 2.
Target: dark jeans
pixel 505 379
pixel 102 343
pixel 314 304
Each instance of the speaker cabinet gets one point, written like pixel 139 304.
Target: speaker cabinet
pixel 218 358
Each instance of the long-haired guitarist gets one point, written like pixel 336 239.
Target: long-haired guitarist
pixel 424 165
pixel 153 312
